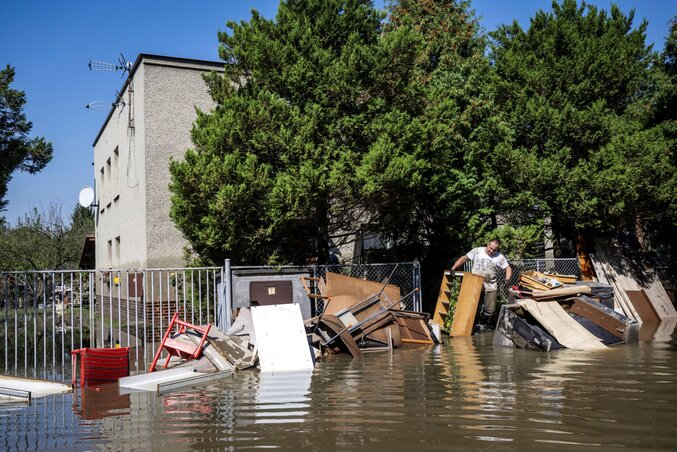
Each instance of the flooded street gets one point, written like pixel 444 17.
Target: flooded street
pixel 462 395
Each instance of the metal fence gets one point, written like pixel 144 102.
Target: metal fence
pixel 562 266
pixel 405 275
pixel 44 315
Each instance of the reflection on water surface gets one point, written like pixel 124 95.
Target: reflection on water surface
pixel 465 394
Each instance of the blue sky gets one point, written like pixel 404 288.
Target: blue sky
pixel 49 43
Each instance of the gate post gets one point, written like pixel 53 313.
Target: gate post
pixel 226 299
pixel 417 285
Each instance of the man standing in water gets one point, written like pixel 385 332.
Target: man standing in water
pixel 485 262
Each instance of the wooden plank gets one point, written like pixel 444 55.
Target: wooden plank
pixel 597 316
pixel 417 341
pixel 602 267
pixel 643 306
pixel 599 270
pixel 636 275
pixel 561 292
pixel 466 307
pixel 414 330
pixel 338 303
pixel 552 317
pixel 361 289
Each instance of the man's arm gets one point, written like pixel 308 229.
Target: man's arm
pixel 460 261
pixel 508 274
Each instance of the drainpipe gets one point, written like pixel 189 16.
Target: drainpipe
pixel 228 296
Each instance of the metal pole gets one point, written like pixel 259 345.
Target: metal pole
pixel 417 285
pixel 228 296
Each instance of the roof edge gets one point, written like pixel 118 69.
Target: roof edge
pixel 137 63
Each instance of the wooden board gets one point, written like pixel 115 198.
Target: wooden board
pixel 633 274
pixel 386 333
pixel 361 289
pixel 338 303
pixel 596 313
pixel 552 317
pixel 643 306
pixel 414 329
pixel 561 292
pixel 466 307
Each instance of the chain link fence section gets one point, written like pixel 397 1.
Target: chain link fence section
pixel 405 275
pixel 562 266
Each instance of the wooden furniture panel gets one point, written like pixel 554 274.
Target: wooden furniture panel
pixel 466 307
pixel 643 306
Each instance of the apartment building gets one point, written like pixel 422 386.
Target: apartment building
pixel 148 125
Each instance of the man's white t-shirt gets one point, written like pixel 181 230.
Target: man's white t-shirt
pixel 485 265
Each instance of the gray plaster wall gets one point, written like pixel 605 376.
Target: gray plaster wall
pixel 172 92
pixel 241 297
pixel 120 189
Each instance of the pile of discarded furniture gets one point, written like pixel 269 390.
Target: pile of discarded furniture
pixel 549 311
pixel 356 316
pixel 362 316
pixel 625 303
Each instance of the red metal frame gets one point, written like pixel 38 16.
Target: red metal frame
pixel 175 348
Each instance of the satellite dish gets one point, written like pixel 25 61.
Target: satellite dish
pixel 86 196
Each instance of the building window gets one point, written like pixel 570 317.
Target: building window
pixel 110 253
pixel 117 250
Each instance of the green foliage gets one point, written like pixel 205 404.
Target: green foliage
pixel 43 241
pixel 18 152
pixel 330 120
pixel 571 87
pixel 327 120
pixel 519 242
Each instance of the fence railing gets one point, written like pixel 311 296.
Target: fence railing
pixel 46 314
pixel 563 266
pixel 405 275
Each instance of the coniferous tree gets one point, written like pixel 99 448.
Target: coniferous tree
pixel 18 152
pixel 572 86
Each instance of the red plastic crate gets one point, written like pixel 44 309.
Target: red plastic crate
pixel 100 365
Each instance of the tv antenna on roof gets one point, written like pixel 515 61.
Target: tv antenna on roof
pixel 103 105
pixel 123 65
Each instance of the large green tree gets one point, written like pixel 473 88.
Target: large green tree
pixel 329 119
pixel 449 129
pixel 270 177
pixel 18 152
pixel 573 87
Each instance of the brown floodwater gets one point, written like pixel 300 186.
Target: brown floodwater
pixel 462 395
